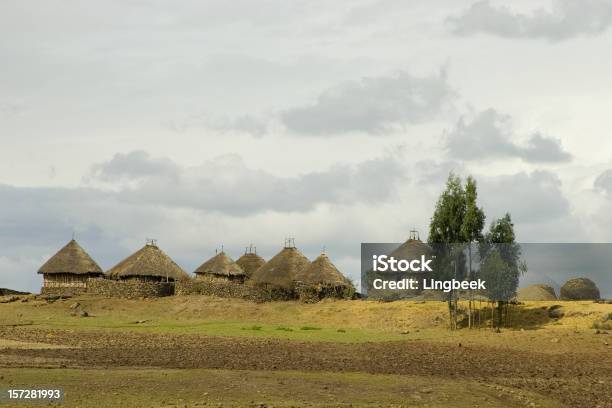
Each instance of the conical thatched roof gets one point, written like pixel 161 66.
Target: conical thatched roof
pixel 579 289
pixel 536 292
pixel 322 271
pixel 149 261
pixel 281 270
pixel 221 265
pixel 71 259
pixel 411 249
pixel 250 262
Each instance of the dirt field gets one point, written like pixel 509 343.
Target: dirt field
pixel 290 357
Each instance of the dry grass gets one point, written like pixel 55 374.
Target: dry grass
pixel 531 326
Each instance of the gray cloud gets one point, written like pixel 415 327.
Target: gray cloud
pixel 134 165
pixel 531 198
pixel 603 182
pixel 227 185
pixel 489 136
pixel 566 19
pixel 373 104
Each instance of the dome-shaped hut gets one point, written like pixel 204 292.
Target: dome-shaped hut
pixel 279 273
pixel 68 270
pixel 536 292
pixel 149 263
pixel 250 261
pixel 220 268
pixel 321 279
pixel 579 289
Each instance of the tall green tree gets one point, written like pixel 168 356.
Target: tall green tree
pixel 445 230
pixel 447 220
pixel 501 265
pixel 474 217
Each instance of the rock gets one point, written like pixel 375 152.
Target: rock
pixel 84 313
pixel 579 289
pixel 75 305
pixel 555 312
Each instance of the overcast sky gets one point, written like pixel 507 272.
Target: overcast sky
pixel 209 123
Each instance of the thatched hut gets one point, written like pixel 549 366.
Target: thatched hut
pixel 579 289
pixel 148 264
pixel 321 279
pixel 278 275
pixel 250 261
pixel 411 249
pixel 536 292
pixel 220 268
pixel 68 270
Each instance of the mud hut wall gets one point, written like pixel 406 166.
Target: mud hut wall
pixel 129 288
pixel 64 280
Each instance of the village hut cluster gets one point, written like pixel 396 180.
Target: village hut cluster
pixel 151 272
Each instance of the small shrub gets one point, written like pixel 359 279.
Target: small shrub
pixel 603 325
pixel 341 331
pixel 288 329
pixel 252 328
pixel 310 328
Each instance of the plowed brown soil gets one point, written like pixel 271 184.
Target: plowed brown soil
pixel 580 379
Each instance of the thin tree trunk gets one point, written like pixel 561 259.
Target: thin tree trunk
pixel 470 278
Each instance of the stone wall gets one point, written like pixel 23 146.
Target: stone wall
pixel 228 289
pixel 129 288
pixel 313 294
pixel 62 291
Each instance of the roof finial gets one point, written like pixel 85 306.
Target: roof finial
pixel 289 242
pixel 323 250
pixel 414 234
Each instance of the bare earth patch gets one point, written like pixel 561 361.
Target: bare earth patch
pixel 574 379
